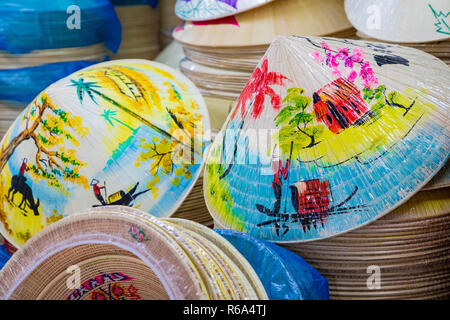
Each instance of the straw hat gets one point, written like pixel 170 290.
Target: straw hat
pixel 140 37
pixel 347 131
pixel 228 250
pixel 131 128
pixel 199 10
pixel 121 253
pixel 167 21
pixel 171 55
pixel 215 82
pixel 440 180
pixel 260 26
pixel 400 21
pixel 95 52
pixel 414 264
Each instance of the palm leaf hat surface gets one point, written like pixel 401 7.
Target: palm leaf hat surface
pixel 199 10
pixel 328 135
pixel 125 254
pixel 401 20
pixel 127 132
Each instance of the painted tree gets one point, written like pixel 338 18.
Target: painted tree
pixel 297 125
pixel 170 156
pixel 380 98
pixel 48 127
pixel 259 86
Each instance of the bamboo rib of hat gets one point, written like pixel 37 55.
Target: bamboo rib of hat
pixel 127 132
pixel 124 254
pixel 200 10
pixel 140 32
pixel 402 21
pixel 327 136
pixel 410 246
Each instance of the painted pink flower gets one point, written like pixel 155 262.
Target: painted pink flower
pixel 352 76
pixel 316 56
pixel 336 72
pixel 325 45
pixel 358 53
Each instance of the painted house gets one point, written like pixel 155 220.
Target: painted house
pixel 339 105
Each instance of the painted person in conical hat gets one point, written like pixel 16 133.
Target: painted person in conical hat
pixel 97 192
pixel 279 173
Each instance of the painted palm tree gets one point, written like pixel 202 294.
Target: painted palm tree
pixel 90 88
pixel 109 116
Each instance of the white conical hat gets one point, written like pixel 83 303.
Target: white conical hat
pixel 118 122
pixel 199 10
pixel 401 20
pixel 260 26
pixel 361 127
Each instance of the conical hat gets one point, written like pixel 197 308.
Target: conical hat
pixel 260 26
pixel 401 20
pixel 199 10
pixel 228 249
pixel 111 248
pixel 128 124
pixel 140 36
pixel 328 135
pixel 122 253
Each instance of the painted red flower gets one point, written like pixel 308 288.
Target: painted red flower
pixel 259 84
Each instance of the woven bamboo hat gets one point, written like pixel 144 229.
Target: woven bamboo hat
pixel 126 132
pixel 346 131
pixel 227 249
pixel 410 246
pixel 260 26
pixel 401 21
pixel 140 32
pixel 94 53
pixel 121 253
pixel 199 10
pixel 112 250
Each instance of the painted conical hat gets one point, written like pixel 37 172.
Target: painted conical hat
pixel 260 26
pixel 328 135
pixel 401 20
pixel 127 132
pixel 199 10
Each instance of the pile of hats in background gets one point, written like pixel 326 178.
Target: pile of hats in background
pixel 140 26
pixel 41 42
pixel 426 27
pixel 125 254
pixel 167 21
pixel 224 41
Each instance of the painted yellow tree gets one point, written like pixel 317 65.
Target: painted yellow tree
pixel 176 156
pixel 49 126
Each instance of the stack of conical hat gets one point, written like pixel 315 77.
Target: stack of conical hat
pixel 43 42
pixel 222 53
pixel 410 246
pixel 140 36
pixel 167 21
pixel 424 25
pixel 125 254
